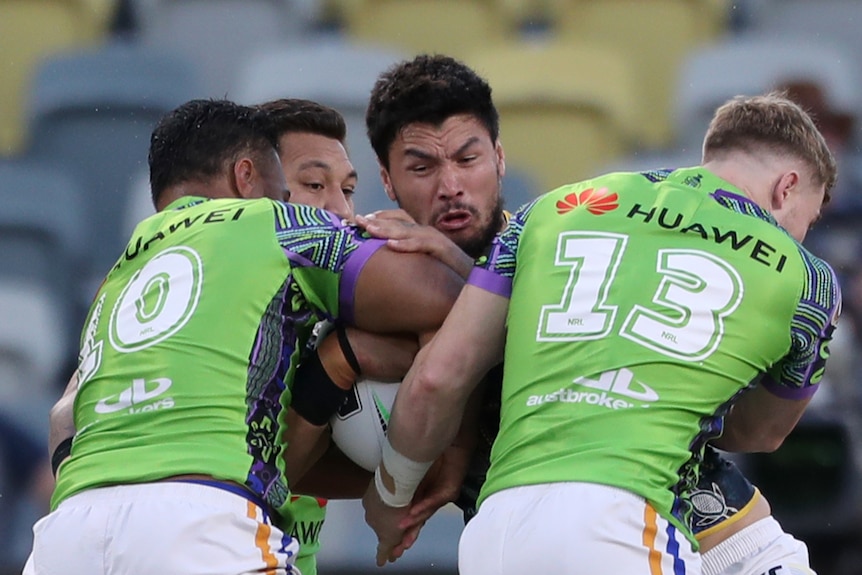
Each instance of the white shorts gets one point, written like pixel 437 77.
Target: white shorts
pixel 762 547
pixel 159 529
pixel 572 528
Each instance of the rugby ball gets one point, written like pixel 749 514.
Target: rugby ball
pixel 359 427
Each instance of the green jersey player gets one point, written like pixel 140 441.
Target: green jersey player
pixel 189 351
pixel 650 313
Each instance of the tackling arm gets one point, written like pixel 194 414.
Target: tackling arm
pixel 431 400
pixel 759 421
pixel 762 417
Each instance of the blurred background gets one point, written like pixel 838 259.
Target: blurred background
pixel 583 87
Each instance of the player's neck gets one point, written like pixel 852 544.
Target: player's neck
pixel 747 174
pixel 218 188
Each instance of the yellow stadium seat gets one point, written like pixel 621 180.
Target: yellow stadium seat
pixel 31 30
pixel 565 108
pixel 655 34
pixel 453 27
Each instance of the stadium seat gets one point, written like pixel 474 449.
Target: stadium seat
pixel 139 202
pixel 42 237
pixel 834 22
pixel 519 187
pixel 29 31
pixel 453 27
pixel 642 161
pixel 654 34
pixel 337 74
pixel 565 108
pixel 32 348
pixel 752 65
pixel 92 115
pixel 217 35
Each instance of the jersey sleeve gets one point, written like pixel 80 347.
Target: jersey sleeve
pixel 797 374
pixel 315 238
pixel 495 270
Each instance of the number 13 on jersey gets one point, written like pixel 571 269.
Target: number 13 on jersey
pixel 697 291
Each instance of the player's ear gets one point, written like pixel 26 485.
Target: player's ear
pixel 501 159
pixel 387 183
pixel 245 176
pixel 784 186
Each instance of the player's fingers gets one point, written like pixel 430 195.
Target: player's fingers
pixel 427 506
pixel 383 552
pixel 397 214
pixel 411 536
pixel 406 245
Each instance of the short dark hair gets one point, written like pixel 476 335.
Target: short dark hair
pixel 297 115
pixel 201 138
pixel 426 89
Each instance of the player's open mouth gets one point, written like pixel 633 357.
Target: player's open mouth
pixel 454 220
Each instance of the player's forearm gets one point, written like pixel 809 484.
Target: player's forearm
pixel 427 413
pixel 61 420
pixel 334 476
pixel 305 444
pixel 759 421
pixel 382 357
pixel 434 394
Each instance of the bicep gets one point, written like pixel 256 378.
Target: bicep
pixel 404 293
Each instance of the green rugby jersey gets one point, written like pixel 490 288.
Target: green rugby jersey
pixel 641 305
pixel 307 515
pixel 192 336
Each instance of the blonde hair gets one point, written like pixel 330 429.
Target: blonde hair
pixel 775 123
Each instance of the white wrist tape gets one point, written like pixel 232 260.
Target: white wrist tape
pixel 406 475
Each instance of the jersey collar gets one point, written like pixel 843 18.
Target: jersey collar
pixel 721 190
pixel 186 202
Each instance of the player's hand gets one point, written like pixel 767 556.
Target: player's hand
pixel 405 235
pixel 440 486
pixel 396 215
pixel 385 521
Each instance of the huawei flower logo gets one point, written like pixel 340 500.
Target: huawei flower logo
pixel 597 202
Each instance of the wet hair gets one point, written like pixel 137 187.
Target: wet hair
pixel 776 123
pixel 201 139
pixel 427 89
pixel 291 115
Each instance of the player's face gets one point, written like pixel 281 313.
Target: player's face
pixel 802 208
pixel 318 172
pixel 449 176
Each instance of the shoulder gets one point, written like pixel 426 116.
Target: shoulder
pixel 820 284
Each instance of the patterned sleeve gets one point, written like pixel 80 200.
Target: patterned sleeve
pixel 798 374
pixel 311 237
pixel 495 270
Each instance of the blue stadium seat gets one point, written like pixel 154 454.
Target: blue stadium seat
pixel 92 115
pixel 750 65
pixel 42 238
pixel 217 35
pixel 337 74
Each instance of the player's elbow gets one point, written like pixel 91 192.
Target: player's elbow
pixel 767 442
pixel 430 387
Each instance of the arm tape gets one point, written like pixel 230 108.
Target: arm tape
pixel 347 350
pixel 405 473
pixel 60 454
pixel 315 396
